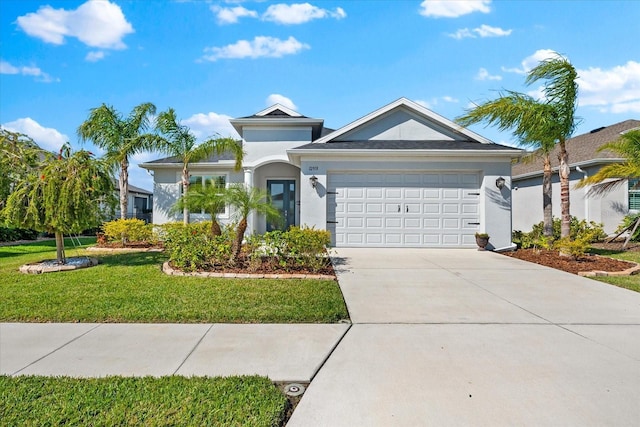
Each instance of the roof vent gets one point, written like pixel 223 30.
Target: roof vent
pixel 597 129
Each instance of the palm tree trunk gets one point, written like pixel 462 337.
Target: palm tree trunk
pixel 215 226
pixel 237 244
pixel 564 171
pixel 185 188
pixel 60 248
pixel 546 198
pixel 123 184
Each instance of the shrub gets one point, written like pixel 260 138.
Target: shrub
pixel 10 234
pixel 580 230
pixel 191 247
pixel 307 247
pixel 128 230
pixel 576 247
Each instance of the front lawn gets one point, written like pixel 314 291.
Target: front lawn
pixel 118 401
pixel 132 288
pixel 627 282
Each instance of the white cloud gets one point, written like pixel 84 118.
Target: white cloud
pixel 96 23
pixel 276 98
pixel 230 15
pixel 47 138
pixel 205 125
pixel 260 47
pixel 615 90
pixel 531 61
pixel 489 31
pixel 299 13
pixel 95 56
pixel 447 98
pixel 483 74
pixel 482 31
pixel 41 76
pixel 453 8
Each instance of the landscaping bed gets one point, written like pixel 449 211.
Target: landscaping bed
pixel 552 258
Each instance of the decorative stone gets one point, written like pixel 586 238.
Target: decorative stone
pixel 52 266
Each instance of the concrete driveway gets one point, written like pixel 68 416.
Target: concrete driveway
pixel 461 337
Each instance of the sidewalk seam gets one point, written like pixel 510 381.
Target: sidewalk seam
pixel 56 349
pixel 330 353
pixel 192 350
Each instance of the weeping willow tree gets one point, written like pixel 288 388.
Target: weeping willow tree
pixel 66 194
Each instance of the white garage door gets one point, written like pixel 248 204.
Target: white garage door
pixel 429 209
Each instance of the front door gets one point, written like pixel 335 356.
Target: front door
pixel 283 197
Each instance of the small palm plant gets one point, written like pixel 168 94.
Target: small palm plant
pixel 244 201
pixel 209 198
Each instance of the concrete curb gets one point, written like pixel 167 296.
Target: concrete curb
pixel 167 269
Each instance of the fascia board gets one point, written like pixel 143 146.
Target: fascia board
pixel 405 153
pixel 198 165
pixel 586 163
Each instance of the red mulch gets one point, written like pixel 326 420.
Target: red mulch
pixel 554 260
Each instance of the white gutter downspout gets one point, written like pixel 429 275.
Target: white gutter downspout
pixel 586 190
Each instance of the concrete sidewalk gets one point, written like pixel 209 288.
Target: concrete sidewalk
pixel 460 337
pixel 288 353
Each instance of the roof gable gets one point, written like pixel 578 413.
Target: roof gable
pixel 403 120
pixel 278 110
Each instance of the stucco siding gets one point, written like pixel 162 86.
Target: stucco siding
pixel 609 209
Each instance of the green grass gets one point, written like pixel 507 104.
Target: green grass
pixel 132 288
pixel 627 282
pixel 230 401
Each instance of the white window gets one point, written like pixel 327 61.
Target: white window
pixel 219 181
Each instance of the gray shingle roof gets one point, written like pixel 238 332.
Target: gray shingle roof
pixel 375 144
pixel 582 148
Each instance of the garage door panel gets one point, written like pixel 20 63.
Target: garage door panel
pixel 393 193
pixel 393 222
pixel 376 222
pixel 432 209
pixel 431 223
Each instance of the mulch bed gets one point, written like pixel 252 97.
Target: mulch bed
pixel 269 265
pixel 554 260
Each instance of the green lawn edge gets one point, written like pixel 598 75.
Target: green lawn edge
pixel 131 288
pixel 149 401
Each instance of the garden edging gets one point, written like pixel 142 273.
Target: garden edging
pixel 598 273
pixel 167 269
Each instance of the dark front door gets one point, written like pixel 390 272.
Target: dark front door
pixel 283 198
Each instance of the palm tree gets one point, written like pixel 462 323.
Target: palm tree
pixel 613 175
pixel 246 200
pixel 178 141
pixel 121 138
pixel 540 124
pixel 524 115
pixel 209 198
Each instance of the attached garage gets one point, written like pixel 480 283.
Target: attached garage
pixel 403 176
pixel 403 209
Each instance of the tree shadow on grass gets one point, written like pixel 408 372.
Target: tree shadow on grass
pixel 132 259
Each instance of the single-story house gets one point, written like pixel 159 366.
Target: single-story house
pixel 584 160
pixel 401 176
pixel 140 203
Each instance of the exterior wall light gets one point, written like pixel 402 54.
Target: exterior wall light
pixel 314 181
pixel 500 183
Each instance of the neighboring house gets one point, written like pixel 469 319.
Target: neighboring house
pixel 584 160
pixel 401 176
pixel 140 203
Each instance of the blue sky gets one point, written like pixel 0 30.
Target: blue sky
pixel 336 60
